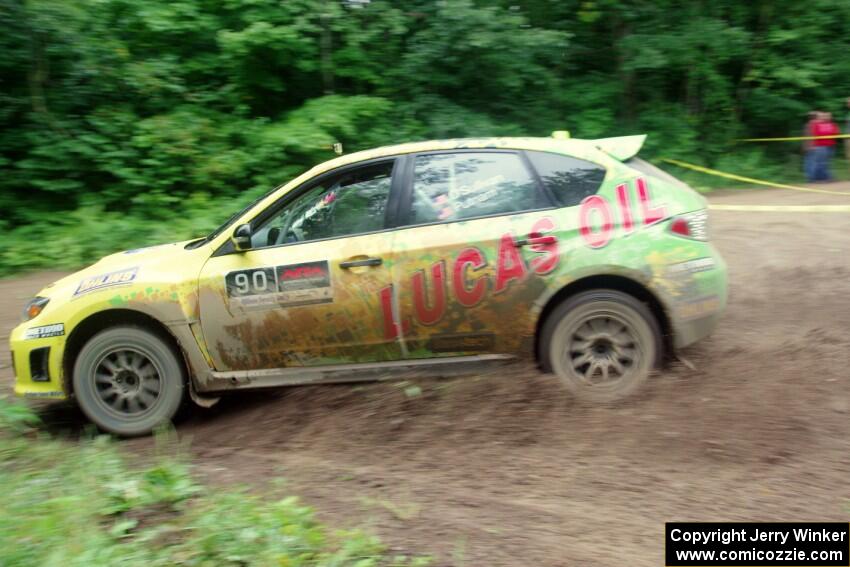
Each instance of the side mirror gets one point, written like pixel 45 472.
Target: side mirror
pixel 241 237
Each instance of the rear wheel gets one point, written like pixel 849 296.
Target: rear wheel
pixel 128 380
pixel 602 344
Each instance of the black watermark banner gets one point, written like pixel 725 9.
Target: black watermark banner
pixel 742 544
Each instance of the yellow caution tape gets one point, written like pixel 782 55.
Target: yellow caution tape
pixel 794 138
pixel 783 208
pixel 749 179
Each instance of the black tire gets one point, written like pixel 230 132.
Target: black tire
pixel 128 380
pixel 602 344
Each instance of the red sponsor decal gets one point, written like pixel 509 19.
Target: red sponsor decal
pixel 430 287
pixel 430 311
pixel 391 328
pixel 625 207
pixel 596 204
pixel 599 205
pixel 549 254
pixel 651 215
pixel 302 272
pixel 511 265
pixel 469 295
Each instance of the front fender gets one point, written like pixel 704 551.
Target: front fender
pixel 161 287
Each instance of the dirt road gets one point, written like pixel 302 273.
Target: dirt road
pixel 505 469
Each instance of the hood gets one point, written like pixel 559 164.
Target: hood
pixel 131 261
pixel 141 255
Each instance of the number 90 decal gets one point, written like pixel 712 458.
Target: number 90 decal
pixel 291 285
pixel 257 282
pixel 251 282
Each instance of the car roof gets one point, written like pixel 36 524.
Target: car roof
pixel 584 149
pixel 572 146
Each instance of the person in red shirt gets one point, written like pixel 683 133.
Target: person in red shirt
pixel 824 148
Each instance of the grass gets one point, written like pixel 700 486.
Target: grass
pixel 81 504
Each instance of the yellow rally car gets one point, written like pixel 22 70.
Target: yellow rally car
pixel 418 257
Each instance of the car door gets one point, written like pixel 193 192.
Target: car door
pixel 473 255
pixel 307 292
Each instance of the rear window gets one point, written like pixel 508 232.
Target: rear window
pixel 569 179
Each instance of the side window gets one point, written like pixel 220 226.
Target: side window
pixel 465 185
pixel 350 203
pixel 569 179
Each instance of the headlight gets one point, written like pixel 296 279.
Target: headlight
pixel 34 306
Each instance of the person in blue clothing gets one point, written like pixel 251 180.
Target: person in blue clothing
pixel 824 146
pixel 847 131
pixel 809 153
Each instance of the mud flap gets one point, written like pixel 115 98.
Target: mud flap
pixel 203 401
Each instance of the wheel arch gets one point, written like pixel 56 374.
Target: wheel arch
pixel 97 322
pixel 619 283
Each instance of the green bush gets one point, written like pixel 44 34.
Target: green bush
pixel 131 123
pixel 81 504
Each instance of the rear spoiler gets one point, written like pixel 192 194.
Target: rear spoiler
pixel 621 147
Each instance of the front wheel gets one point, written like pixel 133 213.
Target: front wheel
pixel 128 380
pixel 602 344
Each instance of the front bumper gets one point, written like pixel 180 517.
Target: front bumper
pixel 37 363
pixel 689 332
pixel 700 297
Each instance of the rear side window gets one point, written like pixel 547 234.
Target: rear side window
pixel 569 179
pixel 448 187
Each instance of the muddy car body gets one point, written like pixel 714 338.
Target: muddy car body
pixel 428 256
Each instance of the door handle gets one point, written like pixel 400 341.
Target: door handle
pixel 536 239
pixel 366 262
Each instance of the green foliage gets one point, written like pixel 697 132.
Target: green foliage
pixel 127 123
pixel 16 418
pixel 167 482
pixel 81 504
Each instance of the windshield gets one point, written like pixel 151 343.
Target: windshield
pixel 233 218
